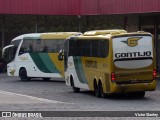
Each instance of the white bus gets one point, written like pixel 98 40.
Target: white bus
pixel 35 55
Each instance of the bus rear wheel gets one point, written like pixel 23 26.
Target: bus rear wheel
pixel 103 95
pixel 23 75
pixel 97 90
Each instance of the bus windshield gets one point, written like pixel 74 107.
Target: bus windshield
pixel 9 51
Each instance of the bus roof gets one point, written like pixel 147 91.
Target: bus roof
pixel 33 35
pixel 108 34
pixel 50 35
pixel 102 32
pixel 58 35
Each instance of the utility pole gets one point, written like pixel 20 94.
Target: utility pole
pixel 79 20
pixel 36 24
pixel 3 29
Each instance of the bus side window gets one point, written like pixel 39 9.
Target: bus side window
pixel 26 47
pixel 50 46
pixel 60 45
pixel 103 48
pixel 11 54
pixel 21 51
pixel 38 45
pixel 73 48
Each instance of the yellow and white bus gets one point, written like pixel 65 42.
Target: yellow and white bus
pixel 35 55
pixel 111 61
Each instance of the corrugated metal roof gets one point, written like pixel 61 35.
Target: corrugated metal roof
pixel 129 6
pixel 78 7
pixel 48 7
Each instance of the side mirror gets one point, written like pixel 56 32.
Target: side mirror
pixel 20 53
pixel 61 55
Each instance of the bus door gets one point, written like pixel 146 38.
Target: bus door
pixel 133 59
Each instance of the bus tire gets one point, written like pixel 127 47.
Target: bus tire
pixel 75 89
pixel 97 90
pixel 23 75
pixel 103 95
pixel 46 79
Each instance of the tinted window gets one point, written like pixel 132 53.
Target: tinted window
pixel 38 45
pixel 9 54
pixel 60 45
pixel 26 47
pixel 11 51
pixel 42 46
pixel 89 48
pixel 15 47
pixel 66 53
pixel 53 46
pixel 73 48
pixel 50 45
pixel 15 43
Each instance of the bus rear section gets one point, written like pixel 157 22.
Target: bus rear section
pixel 133 63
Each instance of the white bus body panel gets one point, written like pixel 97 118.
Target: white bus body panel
pixel 71 71
pixel 26 61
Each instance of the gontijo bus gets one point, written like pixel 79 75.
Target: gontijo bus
pixel 35 55
pixel 111 61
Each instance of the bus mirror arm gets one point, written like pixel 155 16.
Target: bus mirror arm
pixel 61 55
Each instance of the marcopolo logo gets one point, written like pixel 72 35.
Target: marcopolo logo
pixel 132 42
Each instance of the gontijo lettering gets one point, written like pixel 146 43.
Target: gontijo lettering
pixel 89 63
pixel 133 54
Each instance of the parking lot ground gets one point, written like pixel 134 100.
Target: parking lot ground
pixel 54 95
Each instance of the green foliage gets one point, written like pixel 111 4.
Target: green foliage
pixel 28 23
pixel 15 25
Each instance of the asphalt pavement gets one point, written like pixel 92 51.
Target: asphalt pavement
pixel 54 95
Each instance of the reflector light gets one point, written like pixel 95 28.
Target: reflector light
pixel 113 76
pixel 154 73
